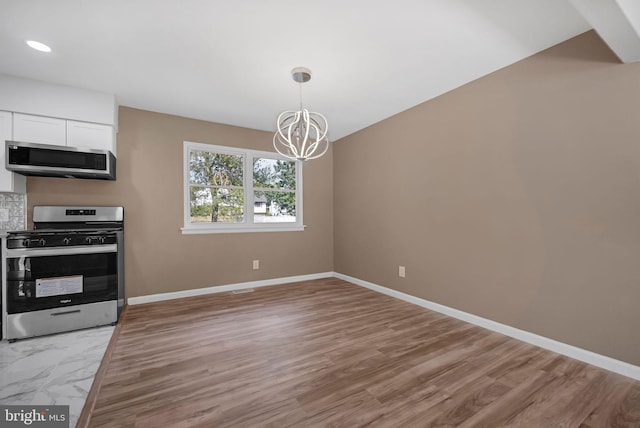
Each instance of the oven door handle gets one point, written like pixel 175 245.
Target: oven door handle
pixel 62 251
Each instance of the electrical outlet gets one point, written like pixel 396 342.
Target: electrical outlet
pixel 4 214
pixel 401 271
pixel 256 264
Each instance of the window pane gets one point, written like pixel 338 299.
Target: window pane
pixel 216 205
pixel 274 174
pixel 216 169
pixel 274 207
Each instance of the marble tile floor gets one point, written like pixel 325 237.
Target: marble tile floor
pixel 52 370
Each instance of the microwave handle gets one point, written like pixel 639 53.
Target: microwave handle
pixel 62 251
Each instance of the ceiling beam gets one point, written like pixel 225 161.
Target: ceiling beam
pixel 617 22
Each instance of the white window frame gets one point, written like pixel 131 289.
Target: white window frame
pixel 247 225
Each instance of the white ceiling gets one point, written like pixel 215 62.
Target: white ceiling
pixel 229 61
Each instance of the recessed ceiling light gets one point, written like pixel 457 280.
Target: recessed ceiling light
pixel 38 46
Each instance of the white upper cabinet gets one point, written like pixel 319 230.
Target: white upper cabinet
pixel 9 181
pixel 90 136
pixel 46 113
pixel 39 129
pixel 48 130
pixel 51 100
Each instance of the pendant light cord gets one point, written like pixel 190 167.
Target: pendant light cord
pixel 300 93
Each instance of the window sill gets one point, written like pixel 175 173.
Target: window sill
pixel 244 229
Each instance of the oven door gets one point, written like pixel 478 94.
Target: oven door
pixel 45 278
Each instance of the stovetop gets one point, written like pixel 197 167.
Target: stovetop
pixel 31 232
pixel 65 226
pixel 42 238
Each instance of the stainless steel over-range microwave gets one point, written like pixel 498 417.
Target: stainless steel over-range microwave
pixel 59 161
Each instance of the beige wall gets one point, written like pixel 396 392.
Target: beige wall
pixel 515 197
pixel 158 258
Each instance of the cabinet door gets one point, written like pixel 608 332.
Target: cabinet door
pixel 90 135
pixel 9 181
pixel 39 129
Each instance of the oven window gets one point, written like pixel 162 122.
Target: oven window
pixel 45 282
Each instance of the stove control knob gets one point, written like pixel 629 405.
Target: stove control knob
pixel 66 241
pixel 41 242
pixel 88 240
pixel 26 243
pixel 101 239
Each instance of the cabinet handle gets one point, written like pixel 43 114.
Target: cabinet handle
pixel 66 312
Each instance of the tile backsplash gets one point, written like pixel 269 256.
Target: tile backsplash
pixel 15 205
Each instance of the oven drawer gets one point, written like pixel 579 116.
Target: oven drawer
pixel 49 321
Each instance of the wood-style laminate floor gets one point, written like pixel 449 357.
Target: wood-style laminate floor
pixel 330 353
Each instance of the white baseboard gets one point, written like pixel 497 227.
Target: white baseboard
pixel 580 354
pixel 224 288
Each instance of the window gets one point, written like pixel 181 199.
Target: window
pixel 237 190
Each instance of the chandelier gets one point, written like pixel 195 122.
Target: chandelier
pixel 301 134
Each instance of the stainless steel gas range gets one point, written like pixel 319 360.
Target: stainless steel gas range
pixel 65 274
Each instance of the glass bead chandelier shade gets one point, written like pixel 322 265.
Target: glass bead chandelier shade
pixel 301 134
